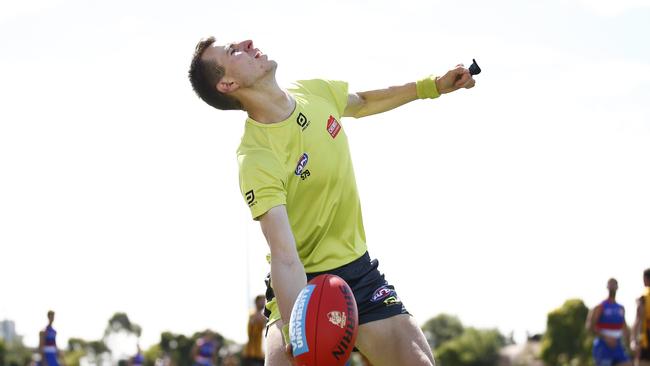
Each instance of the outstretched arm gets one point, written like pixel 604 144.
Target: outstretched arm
pixel 371 102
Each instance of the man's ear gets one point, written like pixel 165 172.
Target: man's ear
pixel 227 85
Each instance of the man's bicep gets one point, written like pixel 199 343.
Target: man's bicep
pixel 355 103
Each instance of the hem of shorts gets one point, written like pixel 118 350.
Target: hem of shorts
pixel 374 317
pixel 270 322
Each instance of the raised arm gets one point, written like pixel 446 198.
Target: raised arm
pixel 287 272
pixel 361 104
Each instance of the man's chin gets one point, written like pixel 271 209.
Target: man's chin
pixel 271 67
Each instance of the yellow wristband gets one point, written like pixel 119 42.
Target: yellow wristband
pixel 426 88
pixel 285 334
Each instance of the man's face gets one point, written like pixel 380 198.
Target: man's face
pixel 612 285
pixel 260 302
pixel 243 63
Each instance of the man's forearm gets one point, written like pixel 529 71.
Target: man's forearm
pixel 287 272
pixel 636 330
pixel 382 100
pixel 288 278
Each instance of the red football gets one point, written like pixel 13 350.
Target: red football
pixel 324 322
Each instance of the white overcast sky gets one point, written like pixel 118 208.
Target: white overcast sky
pixel 119 188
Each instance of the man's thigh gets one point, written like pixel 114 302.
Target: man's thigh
pixel 275 346
pixel 394 341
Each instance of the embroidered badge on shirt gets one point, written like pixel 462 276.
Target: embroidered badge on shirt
pixel 333 126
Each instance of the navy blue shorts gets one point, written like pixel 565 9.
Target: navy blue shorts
pixel 376 298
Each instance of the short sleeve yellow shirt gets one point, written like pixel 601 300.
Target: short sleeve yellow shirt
pixel 304 163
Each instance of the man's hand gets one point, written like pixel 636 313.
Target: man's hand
pixel 635 347
pixel 454 79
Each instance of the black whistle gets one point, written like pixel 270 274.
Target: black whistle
pixel 474 69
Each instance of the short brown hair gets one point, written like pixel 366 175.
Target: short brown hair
pixel 204 76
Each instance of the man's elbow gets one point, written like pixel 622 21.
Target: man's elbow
pixel 285 256
pixel 356 106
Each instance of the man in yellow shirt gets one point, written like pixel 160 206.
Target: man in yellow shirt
pixel 252 354
pixel 297 178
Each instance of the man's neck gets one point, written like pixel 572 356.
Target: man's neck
pixel 267 103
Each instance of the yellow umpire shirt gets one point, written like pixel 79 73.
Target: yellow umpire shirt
pixel 304 163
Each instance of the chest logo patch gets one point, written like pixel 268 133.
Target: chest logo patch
pixel 333 126
pixel 302 164
pixel 302 121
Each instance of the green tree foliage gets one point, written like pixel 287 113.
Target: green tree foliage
pixel 3 352
pixel 441 329
pixel 151 354
pixel 474 347
pixel 72 358
pixel 78 344
pixel 15 354
pixel 120 322
pixel 78 348
pixel 566 341
pixel 179 347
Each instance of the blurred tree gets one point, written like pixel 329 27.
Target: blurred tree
pixel 73 358
pixel 79 348
pixel 566 341
pixel 178 347
pixel 441 329
pixel 152 354
pixel 16 354
pixel 121 337
pixel 3 351
pixel 474 347
pixel 120 322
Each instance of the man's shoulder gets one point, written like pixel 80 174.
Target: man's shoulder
pixel 252 145
pixel 306 83
pixel 315 86
pixel 253 160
